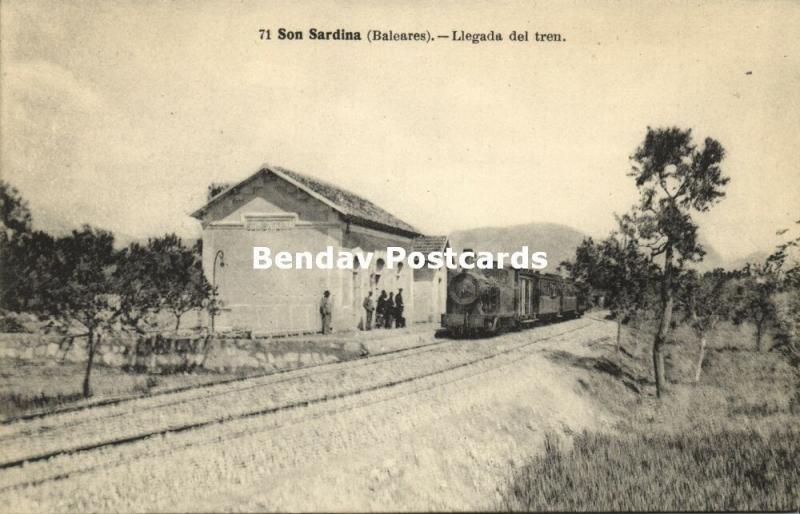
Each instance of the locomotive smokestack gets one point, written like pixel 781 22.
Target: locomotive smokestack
pixel 470 259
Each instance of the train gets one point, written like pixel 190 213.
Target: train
pixel 493 300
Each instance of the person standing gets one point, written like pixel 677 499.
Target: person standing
pixel 389 311
pixel 400 321
pixel 379 322
pixel 326 312
pixel 369 306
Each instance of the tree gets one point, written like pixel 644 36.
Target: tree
pixel 766 294
pixel 164 274
pixel 616 266
pixel 754 298
pixel 15 216
pixel 624 273
pixel 787 335
pixel 136 288
pixel 583 270
pixel 705 300
pixel 177 271
pixel 675 179
pixel 22 260
pixel 77 290
pixel 15 246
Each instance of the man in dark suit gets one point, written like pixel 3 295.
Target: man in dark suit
pixel 369 307
pixel 326 312
pixel 400 321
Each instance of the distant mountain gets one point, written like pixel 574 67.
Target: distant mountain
pixel 50 222
pixel 559 241
pixel 62 226
pixel 755 258
pixel 711 260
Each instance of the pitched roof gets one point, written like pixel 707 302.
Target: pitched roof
pixel 352 207
pixel 428 244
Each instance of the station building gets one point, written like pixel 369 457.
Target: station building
pixel 289 211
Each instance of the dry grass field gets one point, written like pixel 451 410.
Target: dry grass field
pixel 728 442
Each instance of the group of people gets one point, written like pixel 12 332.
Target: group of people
pixel 388 311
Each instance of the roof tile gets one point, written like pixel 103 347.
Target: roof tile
pixel 351 205
pixel 428 244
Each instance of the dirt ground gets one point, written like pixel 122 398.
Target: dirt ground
pixel 444 441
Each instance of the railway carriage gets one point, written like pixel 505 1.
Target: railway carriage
pixel 486 301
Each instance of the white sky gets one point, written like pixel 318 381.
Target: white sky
pixel 121 113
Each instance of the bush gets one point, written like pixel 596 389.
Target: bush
pixel 720 471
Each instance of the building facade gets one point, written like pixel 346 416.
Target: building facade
pixel 430 285
pixel 288 211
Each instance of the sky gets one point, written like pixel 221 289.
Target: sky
pixel 120 114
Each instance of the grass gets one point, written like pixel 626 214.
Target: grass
pixel 19 403
pixel 34 386
pixel 728 442
pixel 719 471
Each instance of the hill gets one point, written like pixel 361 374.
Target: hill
pixel 712 259
pixel 559 241
pixel 755 257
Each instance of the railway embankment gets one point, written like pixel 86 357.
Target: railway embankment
pixel 722 439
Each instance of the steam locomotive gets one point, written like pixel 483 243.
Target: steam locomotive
pixel 488 301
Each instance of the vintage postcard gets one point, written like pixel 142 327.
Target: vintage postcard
pixel 399 256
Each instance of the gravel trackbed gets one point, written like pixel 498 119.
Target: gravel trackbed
pixel 432 427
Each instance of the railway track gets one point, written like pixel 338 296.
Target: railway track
pixel 162 399
pixel 58 461
pixel 131 398
pixel 38 439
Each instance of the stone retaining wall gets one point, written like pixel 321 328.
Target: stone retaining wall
pixel 158 354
